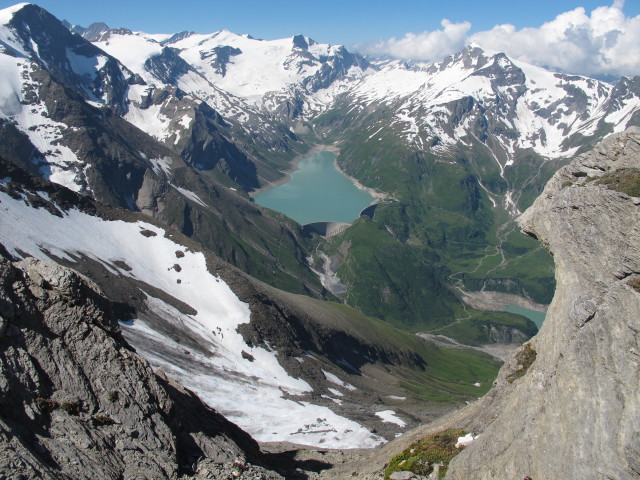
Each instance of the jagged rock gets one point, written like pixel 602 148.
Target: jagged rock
pixel 77 402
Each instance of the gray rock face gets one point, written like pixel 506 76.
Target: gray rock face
pixel 77 402
pixel 566 406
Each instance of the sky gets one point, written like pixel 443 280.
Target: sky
pixel 591 37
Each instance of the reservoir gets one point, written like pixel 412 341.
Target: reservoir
pixel 317 192
pixel 534 315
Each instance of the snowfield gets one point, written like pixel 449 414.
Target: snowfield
pixel 250 393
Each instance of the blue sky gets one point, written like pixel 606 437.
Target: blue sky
pixel 329 21
pixel 372 26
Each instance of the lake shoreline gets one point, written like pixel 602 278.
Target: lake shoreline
pixel 294 167
pixel 377 196
pixel 498 301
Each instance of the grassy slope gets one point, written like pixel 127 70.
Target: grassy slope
pixel 442 223
pixel 449 374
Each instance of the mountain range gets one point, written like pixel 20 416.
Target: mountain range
pixel 461 147
pixel 131 158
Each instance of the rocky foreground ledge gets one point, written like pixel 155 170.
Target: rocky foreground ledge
pixel 76 401
pixel 565 406
pixel 575 412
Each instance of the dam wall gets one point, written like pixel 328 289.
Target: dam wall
pixel 326 229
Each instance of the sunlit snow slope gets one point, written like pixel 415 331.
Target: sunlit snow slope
pixel 250 393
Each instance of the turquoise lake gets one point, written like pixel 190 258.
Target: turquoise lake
pixel 317 192
pixel 535 316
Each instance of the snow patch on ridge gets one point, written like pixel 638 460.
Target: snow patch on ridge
pixel 61 165
pixel 190 195
pixel 219 373
pixel 334 379
pixel 86 66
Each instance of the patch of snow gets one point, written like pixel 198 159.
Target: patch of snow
pixel 389 416
pixel 132 50
pixel 95 104
pixel 466 440
pixel 6 14
pixel 88 66
pixel 621 118
pixel 336 392
pixel 160 164
pixel 150 120
pixel 190 195
pixel 395 397
pixel 334 379
pixel 375 133
pixel 185 121
pixel 335 400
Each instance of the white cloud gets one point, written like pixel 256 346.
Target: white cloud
pixel 602 42
pixel 428 46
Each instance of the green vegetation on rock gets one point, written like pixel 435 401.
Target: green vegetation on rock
pixel 524 359
pixel 423 456
pixel 625 180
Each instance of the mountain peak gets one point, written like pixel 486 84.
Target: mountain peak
pixel 176 37
pixel 7 14
pixel 92 32
pixel 300 41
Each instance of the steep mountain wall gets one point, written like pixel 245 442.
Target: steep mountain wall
pixel 574 412
pixel 566 405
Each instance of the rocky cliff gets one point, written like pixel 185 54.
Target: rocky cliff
pixel 76 401
pixel 574 412
pixel 572 393
pixel 565 405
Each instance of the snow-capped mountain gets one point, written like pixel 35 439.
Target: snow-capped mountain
pixel 231 103
pixel 291 77
pixel 68 127
pixel 483 105
pixel 479 93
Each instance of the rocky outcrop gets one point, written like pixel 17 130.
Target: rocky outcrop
pixel 77 402
pixel 569 400
pixel 565 405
